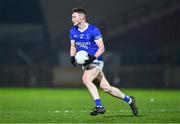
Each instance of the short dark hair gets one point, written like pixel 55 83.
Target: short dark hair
pixel 79 10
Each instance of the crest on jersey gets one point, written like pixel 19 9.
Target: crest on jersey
pixel 81 35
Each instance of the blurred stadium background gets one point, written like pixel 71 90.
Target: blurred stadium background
pixel 142 41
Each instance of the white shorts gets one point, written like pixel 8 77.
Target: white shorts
pixel 95 64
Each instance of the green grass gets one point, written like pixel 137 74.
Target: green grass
pixel 73 106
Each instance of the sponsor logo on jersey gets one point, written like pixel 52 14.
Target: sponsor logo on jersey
pixel 83 44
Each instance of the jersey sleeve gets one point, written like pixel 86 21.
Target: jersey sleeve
pixel 71 35
pixel 97 34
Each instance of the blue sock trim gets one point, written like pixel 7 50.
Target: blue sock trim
pixel 126 98
pixel 98 102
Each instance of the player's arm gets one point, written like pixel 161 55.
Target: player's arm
pixel 73 48
pixel 99 52
pixel 73 52
pixel 101 48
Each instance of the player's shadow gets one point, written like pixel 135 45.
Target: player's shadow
pixel 121 116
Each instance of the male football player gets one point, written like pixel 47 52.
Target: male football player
pixel 85 36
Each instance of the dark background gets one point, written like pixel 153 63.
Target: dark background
pixel 142 41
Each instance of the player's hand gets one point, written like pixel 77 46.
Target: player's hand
pixel 90 60
pixel 73 61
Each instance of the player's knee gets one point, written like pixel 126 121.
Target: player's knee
pixel 106 88
pixel 85 80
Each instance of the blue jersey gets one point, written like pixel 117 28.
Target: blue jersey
pixel 86 40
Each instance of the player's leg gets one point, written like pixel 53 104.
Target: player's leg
pixel 104 84
pixel 88 77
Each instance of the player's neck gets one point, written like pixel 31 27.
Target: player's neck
pixel 83 26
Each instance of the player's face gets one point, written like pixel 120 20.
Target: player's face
pixel 77 18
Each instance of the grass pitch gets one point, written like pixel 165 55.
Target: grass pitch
pixel 73 106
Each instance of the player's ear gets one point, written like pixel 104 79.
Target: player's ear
pixel 83 16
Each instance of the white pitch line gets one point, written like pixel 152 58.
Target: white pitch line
pixel 87 111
